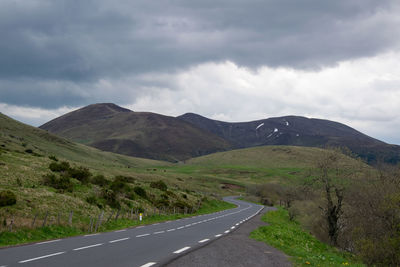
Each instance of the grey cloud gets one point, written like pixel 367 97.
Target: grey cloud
pixel 71 43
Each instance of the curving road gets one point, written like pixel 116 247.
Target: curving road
pixel 151 245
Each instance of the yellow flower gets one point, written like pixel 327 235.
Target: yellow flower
pixel 307 262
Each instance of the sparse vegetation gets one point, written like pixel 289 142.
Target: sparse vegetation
pixel 160 184
pixel 305 249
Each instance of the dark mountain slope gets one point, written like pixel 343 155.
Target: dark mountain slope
pixel 142 134
pixel 298 131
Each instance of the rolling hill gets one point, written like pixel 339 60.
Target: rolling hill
pixel 298 131
pixel 142 134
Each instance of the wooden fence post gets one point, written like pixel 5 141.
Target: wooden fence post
pixel 34 220
pixel 99 221
pixel 45 219
pixel 11 223
pixel 71 213
pixel 109 217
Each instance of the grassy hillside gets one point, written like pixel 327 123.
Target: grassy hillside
pixel 27 152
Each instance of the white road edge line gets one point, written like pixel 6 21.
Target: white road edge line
pixel 148 264
pixel 42 257
pixel 181 250
pixel 123 230
pixel 204 240
pixel 118 240
pixel 91 246
pixel 46 242
pixel 142 235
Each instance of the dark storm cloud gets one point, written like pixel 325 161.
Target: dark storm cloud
pixel 72 44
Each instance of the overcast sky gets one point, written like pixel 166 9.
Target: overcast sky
pixel 224 59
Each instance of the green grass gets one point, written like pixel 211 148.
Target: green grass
pixel 305 250
pixel 27 235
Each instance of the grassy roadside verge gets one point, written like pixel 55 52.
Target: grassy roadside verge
pixel 304 249
pixel 26 235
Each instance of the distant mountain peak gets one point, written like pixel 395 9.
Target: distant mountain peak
pixel 109 106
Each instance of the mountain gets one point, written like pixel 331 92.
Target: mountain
pixel 112 128
pixel 298 131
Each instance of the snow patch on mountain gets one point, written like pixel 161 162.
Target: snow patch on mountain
pixel 262 124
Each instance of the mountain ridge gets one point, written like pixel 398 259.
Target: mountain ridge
pixel 142 134
pixel 298 131
pixel 109 127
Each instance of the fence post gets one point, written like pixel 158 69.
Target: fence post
pixel 11 223
pixel 34 220
pixel 45 219
pixel 99 221
pixel 116 216
pixel 71 213
pixel 109 217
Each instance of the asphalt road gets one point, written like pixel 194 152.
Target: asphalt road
pixel 152 245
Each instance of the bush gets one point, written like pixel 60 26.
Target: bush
pixel 7 198
pixel 59 167
pixel 159 184
pixel 111 198
pixel 124 179
pixel 93 200
pixel 119 186
pixel 161 203
pixel 181 205
pixel 99 180
pixel 53 158
pixel 140 191
pixel 62 183
pixel 29 151
pixel 82 174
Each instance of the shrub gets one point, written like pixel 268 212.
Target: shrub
pixel 159 184
pixel 181 204
pixel 59 167
pixel 82 174
pixel 125 179
pixel 7 198
pixel 29 151
pixel 161 203
pixel 119 186
pixel 93 200
pixel 111 198
pixel 52 157
pixel 62 183
pixel 140 191
pixel 99 180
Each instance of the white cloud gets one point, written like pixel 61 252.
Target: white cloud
pixel 31 115
pixel 364 94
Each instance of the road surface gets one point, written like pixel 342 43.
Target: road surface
pixel 151 245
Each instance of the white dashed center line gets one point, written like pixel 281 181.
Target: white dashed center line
pixel 91 246
pixel 218 235
pixel 42 257
pixel 148 264
pixel 160 232
pixel 142 235
pixel 170 230
pixel 204 240
pixel 118 240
